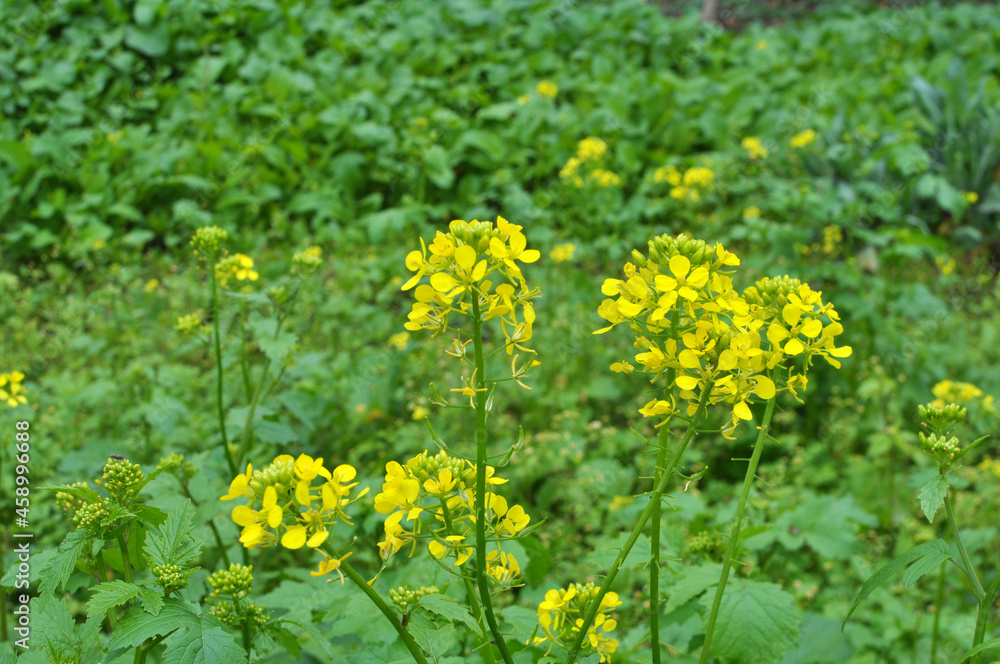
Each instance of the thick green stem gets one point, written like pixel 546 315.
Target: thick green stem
pixel 218 369
pixel 654 499
pixel 734 533
pixel 977 587
pixel 481 454
pixel 938 605
pixel 470 591
pixel 983 615
pixel 143 649
pixel 126 565
pixel 356 579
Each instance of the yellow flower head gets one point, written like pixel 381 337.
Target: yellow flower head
pixel 11 390
pixel 560 618
pixel 237 265
pixel 755 149
pixel 803 139
pixel 547 89
pixel 562 252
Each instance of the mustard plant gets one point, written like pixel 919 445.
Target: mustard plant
pixel 940 440
pixel 702 344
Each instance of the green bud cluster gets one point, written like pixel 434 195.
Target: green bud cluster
pixel 306 263
pixel 170 577
pixel 477 235
pixel 279 474
pixel 120 477
pixel 706 543
pixel 279 294
pixel 665 247
pixel 69 503
pixel 90 515
pixel 938 446
pixel 772 292
pixel 189 324
pixel 405 598
pixel 177 465
pixel 424 467
pixel 209 239
pixel 235 581
pixel 247 614
pixel 942 420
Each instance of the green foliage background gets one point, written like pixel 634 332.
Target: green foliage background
pixel 124 126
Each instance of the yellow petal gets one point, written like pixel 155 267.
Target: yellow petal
pixel 680 266
pixel 465 256
pixel 295 538
pixel 442 282
pixel 742 411
pixel 764 388
pixel 791 313
pixel 794 347
pixel 686 382
pixel 243 515
pixel 317 539
pixel 629 309
pixel 529 256
pixel 812 328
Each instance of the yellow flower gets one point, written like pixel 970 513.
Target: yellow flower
pixel 329 564
pixel 761 45
pixel 151 285
pixel 547 89
pixel 13 395
pixel 462 553
pixel 562 252
pixel 754 147
pixel 668 174
pixel 420 413
pixel 970 197
pixel 523 99
pixel 307 468
pixel 240 486
pixel 605 178
pixel 502 567
pixel 591 149
pixel 752 212
pixel 399 340
pixel 946 265
pixel 803 139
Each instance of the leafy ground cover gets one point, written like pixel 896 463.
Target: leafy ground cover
pixel 855 148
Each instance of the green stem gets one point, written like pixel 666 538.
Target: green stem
pixel 211 524
pixel 655 498
pixel 481 453
pixel 654 537
pixel 983 615
pixel 143 650
pixel 938 605
pixel 126 565
pixel 102 576
pixel 376 599
pixel 470 592
pixel 244 448
pixel 218 368
pixel 734 533
pixel 977 587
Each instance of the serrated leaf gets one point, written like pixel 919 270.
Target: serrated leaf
pixel 61 567
pixel 152 516
pixel 288 641
pixel 137 625
pixel 691 582
pixel 206 642
pixel 152 600
pixel 448 608
pixel 889 570
pixel 923 566
pixel 436 642
pixel 51 617
pixel 171 542
pixel 932 495
pixel 757 623
pixel 110 594
pixel 137 489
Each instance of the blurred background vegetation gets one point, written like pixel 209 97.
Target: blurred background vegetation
pixel 359 127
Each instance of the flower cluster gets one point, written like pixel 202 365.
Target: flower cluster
pixel 584 166
pixel 686 186
pixel 122 479
pixel 190 324
pixel 405 598
pixel 694 330
pixel 547 89
pixel 307 261
pixel 11 390
pixel 475 264
pixel 803 139
pixel 286 507
pixel 960 393
pixel 237 265
pixel 754 147
pixel 560 617
pixel 440 490
pixel 562 252
pixel 209 240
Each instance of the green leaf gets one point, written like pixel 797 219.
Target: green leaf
pixel 691 582
pixel 923 566
pixel 171 543
pixel 152 600
pixel 985 645
pixel 137 489
pixel 61 567
pixel 110 594
pixel 277 347
pixel 968 448
pixel 153 41
pixel 207 642
pixel 757 623
pixel 888 571
pixel 288 641
pixel 138 625
pixel 436 642
pixel 932 495
pixel 448 608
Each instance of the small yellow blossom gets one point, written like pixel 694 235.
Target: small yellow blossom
pixel 151 285
pixel 803 139
pixel 761 45
pixel 523 99
pixel 562 252
pixel 752 212
pixel 605 178
pixel 399 340
pixel 754 147
pixel 547 89
pixel 970 197
pixel 420 413
pixel 11 390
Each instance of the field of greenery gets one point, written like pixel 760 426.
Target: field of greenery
pixel 706 315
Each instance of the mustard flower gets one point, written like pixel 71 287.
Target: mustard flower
pixel 562 252
pixel 11 390
pixel 237 265
pixel 560 616
pixel 502 567
pixel 803 139
pixel 591 149
pixel 970 197
pixel 547 89
pixel 605 178
pixel 755 149
pixel 752 212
